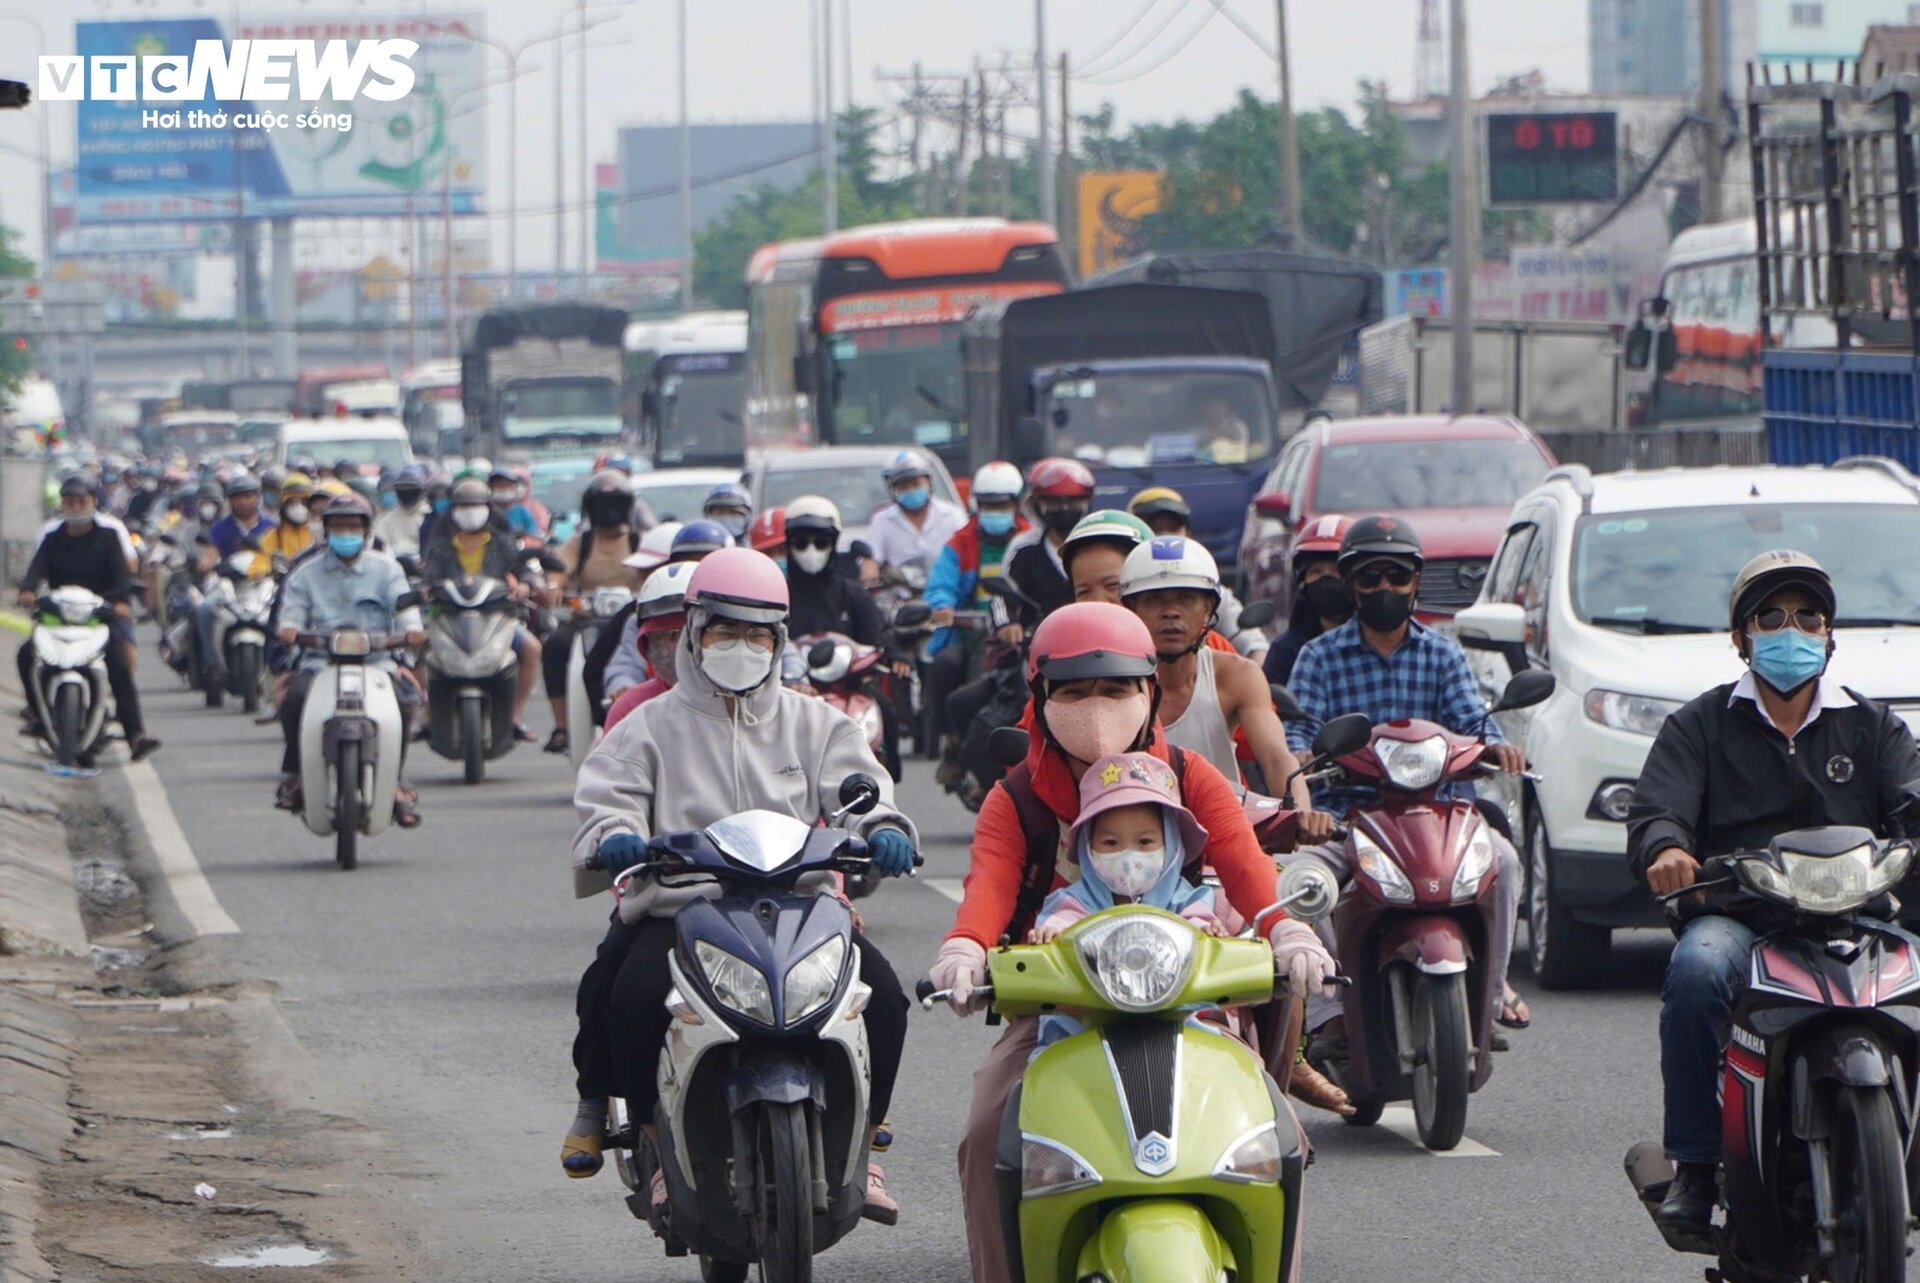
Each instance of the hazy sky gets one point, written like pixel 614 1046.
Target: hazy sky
pixel 748 62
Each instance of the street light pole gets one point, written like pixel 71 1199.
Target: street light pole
pixel 1463 212
pixel 832 157
pixel 1289 143
pixel 1042 158
pixel 686 175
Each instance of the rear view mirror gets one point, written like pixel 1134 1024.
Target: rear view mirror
pixel 819 655
pixel 1525 690
pixel 1258 615
pixel 1008 746
pixel 859 794
pixel 912 615
pixel 1308 890
pixel 1639 349
pixel 1669 351
pixel 1285 704
pixel 1343 735
pixel 1275 505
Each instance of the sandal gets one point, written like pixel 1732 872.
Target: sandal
pixel 580 1152
pixel 521 735
pixel 1514 1012
pixel 557 742
pixel 1309 1085
pixel 880 1208
pixel 406 814
pixel 287 797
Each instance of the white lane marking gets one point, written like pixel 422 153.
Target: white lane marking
pixel 952 888
pixel 191 890
pixel 1398 1119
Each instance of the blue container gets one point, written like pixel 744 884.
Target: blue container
pixel 1822 406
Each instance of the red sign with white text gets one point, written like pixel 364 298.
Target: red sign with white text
pixel 929 306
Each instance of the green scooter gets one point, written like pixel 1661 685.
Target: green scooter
pixel 1148 1146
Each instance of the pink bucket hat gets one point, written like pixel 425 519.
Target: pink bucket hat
pixel 1130 779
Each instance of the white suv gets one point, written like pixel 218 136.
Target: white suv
pixel 1617 584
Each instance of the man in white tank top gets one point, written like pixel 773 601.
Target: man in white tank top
pixel 1173 585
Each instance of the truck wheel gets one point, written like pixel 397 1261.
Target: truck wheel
pixel 1564 952
pixel 346 806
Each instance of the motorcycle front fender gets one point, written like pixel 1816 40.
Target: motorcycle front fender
pixel 775 1082
pixel 1157 1241
pixel 1839 1055
pixel 1434 944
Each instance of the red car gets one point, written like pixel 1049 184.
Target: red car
pixel 1455 480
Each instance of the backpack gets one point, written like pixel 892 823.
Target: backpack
pixel 586 543
pixel 1041 828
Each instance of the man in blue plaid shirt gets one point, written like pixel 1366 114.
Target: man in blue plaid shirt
pixel 1384 664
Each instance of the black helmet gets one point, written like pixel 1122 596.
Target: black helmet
pixel 1372 537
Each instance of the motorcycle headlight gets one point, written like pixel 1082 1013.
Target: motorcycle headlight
pixel 1253 1159
pixel 870 723
pixel 1378 865
pixel 1829 884
pixel 1474 863
pixel 349 641
pixel 812 980
pixel 1640 714
pixel 1049 1168
pixel 736 983
pixel 1139 962
pixel 1413 764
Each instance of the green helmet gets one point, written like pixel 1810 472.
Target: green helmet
pixel 1110 525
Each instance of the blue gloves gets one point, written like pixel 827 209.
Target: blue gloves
pixel 892 852
pixel 620 852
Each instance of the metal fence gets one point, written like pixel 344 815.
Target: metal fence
pixel 1665 448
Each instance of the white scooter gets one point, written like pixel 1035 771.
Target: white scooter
pixel 350 741
pixel 69 688
pixel 591 618
pixel 243 609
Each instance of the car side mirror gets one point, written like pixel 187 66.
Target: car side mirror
pixel 859 794
pixel 1639 349
pixel 1285 704
pixel 1497 626
pixel 1343 735
pixel 1275 505
pixel 1008 746
pixel 1525 690
pixel 1669 351
pixel 1258 615
pixel 819 655
pixel 912 615
pixel 1029 438
pixel 802 373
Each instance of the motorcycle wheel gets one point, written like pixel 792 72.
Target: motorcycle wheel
pixel 472 742
pixel 69 720
pixel 717 1271
pixel 1443 1059
pixel 346 812
pixel 786 1181
pixel 246 665
pixel 1869 1184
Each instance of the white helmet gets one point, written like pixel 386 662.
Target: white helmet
pixel 997 480
pixel 655 546
pixel 812 512
pixel 1170 561
pixel 665 591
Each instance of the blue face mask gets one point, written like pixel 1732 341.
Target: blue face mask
pixel 781 561
pixel 915 499
pixel 346 546
pixel 1788 658
pixel 440 504
pixel 996 524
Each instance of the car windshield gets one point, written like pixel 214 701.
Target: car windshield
pixel 676 501
pixel 1137 419
pixel 1387 476
pixel 898 385
pixel 1673 568
pixel 581 408
pixel 700 416
pixel 858 492
pixel 387 452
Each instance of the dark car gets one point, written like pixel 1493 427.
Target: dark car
pixel 1455 480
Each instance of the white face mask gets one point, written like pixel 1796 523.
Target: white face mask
pixel 470 517
pixel 1128 873
pixel 812 560
pixel 295 513
pixel 736 666
pixel 209 511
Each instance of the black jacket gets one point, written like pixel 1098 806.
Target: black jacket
pixel 1722 778
pixel 91 559
pixel 831 602
pixel 1032 569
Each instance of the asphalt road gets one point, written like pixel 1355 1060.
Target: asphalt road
pixel 436 984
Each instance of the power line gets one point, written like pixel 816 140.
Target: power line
pixel 1246 29
pixel 1173 52
pixel 1140 47
pixel 1121 34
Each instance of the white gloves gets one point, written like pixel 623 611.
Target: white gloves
pixel 1300 954
pixel 961 965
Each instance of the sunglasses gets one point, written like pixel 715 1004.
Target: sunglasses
pixel 1373 576
pixel 1774 618
pixel 811 541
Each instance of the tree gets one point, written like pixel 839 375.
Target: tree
pixel 16 357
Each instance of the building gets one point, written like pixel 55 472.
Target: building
pixel 1889 51
pixel 1653 46
pixel 1637 46
pixel 728 161
pixel 1796 31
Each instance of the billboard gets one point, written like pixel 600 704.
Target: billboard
pixel 1552 157
pixel 1111 206
pixel 143 160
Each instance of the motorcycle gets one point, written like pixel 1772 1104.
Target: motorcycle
pixel 1822 1070
pixel 590 617
pixel 1415 926
pixel 471 673
pixel 180 595
pixel 350 742
pixel 1144 1147
pixel 243 609
pixel 762 1117
pixel 69 687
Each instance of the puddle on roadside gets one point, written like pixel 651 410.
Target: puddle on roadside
pixel 279 1254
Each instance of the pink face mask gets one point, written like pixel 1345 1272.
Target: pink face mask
pixel 1093 728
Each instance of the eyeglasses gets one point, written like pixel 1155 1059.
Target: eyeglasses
pixel 1774 618
pixel 1373 576
pixel 825 540
pixel 753 634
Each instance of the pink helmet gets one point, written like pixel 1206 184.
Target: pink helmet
pixel 739 583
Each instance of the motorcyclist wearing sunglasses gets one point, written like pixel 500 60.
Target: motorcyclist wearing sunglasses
pixel 1388 665
pixel 826 599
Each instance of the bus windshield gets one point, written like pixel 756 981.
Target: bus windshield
pixel 1715 315
pixel 1132 419
pixel 897 385
pixel 700 416
pixel 587 408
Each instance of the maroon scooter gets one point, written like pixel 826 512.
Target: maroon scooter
pixel 1414 923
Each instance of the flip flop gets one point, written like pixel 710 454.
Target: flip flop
pixel 1514 1012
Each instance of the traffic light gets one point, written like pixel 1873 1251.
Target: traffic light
pixel 14 94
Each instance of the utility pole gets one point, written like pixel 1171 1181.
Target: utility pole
pixel 917 107
pixel 1043 155
pixel 686 175
pixel 560 155
pixel 1463 231
pixel 832 185
pixel 1290 230
pixel 588 201
pixel 1710 116
pixel 986 148
pixel 1069 209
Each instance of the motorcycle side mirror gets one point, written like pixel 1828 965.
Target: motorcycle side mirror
pixel 912 615
pixel 1308 890
pixel 1343 735
pixel 994 586
pixel 1285 704
pixel 1525 690
pixel 819 655
pixel 1008 746
pixel 1258 615
pixel 858 794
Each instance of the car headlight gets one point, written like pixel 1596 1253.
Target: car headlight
pixel 1474 864
pixel 1413 764
pixel 1376 864
pixel 1640 714
pixel 1829 884
pixel 736 983
pixel 812 980
pixel 1253 1159
pixel 1139 962
pixel 1049 1168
